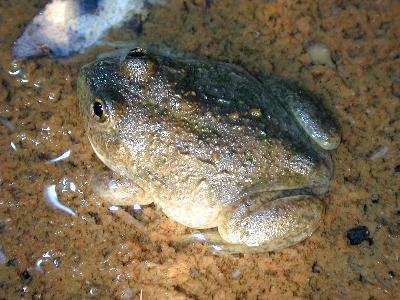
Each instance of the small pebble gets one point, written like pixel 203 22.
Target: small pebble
pixel 392 274
pixel 236 274
pixel 320 54
pixel 358 234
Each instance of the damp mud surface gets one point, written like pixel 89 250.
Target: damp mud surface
pixel 57 241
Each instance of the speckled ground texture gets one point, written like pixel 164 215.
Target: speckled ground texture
pixel 47 253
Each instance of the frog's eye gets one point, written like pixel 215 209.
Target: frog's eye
pixel 139 65
pixel 99 110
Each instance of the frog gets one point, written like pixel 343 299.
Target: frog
pixel 242 157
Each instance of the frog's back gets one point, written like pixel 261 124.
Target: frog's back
pixel 205 130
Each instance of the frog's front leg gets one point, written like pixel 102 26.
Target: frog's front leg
pixel 309 113
pixel 269 221
pixel 118 190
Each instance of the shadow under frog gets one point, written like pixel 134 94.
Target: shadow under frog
pixel 210 144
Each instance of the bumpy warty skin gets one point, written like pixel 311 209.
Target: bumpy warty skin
pixel 196 135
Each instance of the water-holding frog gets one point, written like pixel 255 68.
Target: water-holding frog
pixel 210 144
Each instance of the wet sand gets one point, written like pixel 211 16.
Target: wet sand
pixel 92 251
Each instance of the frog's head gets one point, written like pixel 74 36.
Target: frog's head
pixel 110 91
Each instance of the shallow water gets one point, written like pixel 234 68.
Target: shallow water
pixel 58 241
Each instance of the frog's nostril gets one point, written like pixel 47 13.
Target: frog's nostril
pixel 139 65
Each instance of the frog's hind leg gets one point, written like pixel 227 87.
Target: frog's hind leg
pixel 263 222
pixel 118 190
pixel 309 113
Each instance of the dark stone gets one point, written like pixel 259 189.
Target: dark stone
pixel 362 278
pixel 316 268
pixel 358 234
pixel 397 169
pixel 26 277
pixel 2 227
pixel 12 262
pixel 375 199
pixel 392 274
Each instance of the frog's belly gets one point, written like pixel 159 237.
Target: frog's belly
pixel 193 216
pixel 196 208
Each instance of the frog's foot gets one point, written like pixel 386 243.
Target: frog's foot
pixel 310 114
pixel 118 190
pixel 215 242
pixel 262 225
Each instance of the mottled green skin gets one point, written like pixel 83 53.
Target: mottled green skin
pixel 211 145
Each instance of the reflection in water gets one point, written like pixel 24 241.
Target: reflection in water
pixel 68 185
pixel 137 207
pixel 63 156
pixel 48 259
pixel 113 208
pixel 17 72
pixel 13 146
pixel 51 199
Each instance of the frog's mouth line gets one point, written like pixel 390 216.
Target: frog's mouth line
pixel 99 155
pixel 112 165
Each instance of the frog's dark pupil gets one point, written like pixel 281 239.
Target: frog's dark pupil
pixel 98 109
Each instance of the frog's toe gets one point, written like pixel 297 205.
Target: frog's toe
pixel 271 225
pixel 215 242
pixel 315 121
